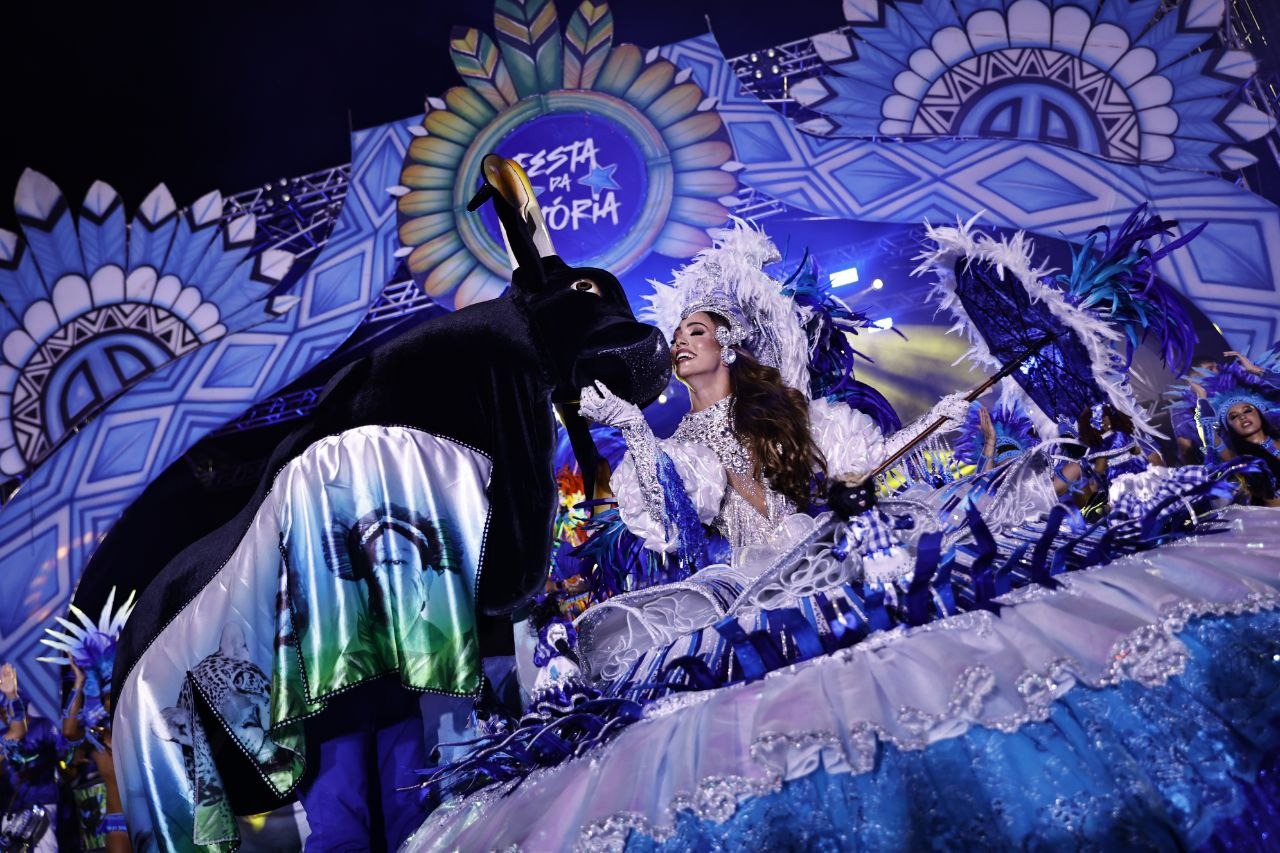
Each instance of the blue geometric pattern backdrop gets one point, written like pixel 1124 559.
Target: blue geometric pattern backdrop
pixel 1148 119
pixel 172 298
pixel 1048 115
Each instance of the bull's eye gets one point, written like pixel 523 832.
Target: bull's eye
pixel 586 285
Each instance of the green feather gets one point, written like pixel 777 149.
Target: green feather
pixel 529 37
pixel 587 41
pixel 478 61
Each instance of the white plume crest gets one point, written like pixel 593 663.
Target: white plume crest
pixel 79 633
pixel 734 265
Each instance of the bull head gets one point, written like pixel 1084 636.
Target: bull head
pixel 580 314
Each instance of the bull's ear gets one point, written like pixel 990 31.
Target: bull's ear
pixel 523 229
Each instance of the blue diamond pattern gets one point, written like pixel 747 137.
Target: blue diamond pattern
pixel 336 287
pixel 872 178
pixel 1034 187
pixel 123 450
pixel 757 142
pixel 239 366
pixel 21 593
pixel 382 170
pixel 1232 253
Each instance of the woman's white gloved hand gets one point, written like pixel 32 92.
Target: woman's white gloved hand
pixel 599 404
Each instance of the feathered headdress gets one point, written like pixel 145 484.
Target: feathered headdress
pixel 1226 386
pixel 91 644
pixel 728 279
pixel 827 322
pixel 1015 433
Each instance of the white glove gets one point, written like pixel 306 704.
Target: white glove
pixel 953 408
pixel 601 405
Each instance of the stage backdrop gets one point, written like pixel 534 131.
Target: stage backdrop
pixel 171 308
pixel 1055 117
pixel 625 152
pixel 880 155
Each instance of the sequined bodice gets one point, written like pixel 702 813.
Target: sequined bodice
pixel 713 427
pixel 740 522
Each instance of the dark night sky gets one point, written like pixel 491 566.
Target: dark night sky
pixel 227 96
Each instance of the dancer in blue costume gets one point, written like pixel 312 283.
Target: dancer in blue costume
pixel 89 646
pixel 1232 410
pixel 1194 412
pixel 31 748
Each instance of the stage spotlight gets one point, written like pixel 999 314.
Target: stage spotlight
pixel 840 278
pixel 882 325
pixel 773 69
pixel 877 284
pixel 755 57
pixel 759 74
pixel 771 53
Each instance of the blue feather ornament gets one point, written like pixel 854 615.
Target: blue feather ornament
pixel 1014 433
pixel 828 322
pixel 1114 275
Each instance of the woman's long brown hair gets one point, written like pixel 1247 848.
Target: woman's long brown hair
pixel 772 419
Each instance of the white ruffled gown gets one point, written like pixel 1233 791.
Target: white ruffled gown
pixel 613 635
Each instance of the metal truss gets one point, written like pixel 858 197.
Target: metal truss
pixel 769 73
pixel 1245 27
pixel 398 299
pixel 754 205
pixel 294 214
pixel 284 407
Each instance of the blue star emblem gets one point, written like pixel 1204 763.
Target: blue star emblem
pixel 600 178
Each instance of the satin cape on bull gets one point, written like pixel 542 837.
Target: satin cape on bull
pixel 418 498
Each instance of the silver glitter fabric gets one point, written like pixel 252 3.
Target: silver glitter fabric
pixel 644 451
pixel 740 522
pixel 713 427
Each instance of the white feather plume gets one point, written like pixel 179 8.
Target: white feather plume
pixel 963 241
pixel 735 263
pixel 109 622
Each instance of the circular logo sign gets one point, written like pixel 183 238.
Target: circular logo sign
pixel 626 153
pixel 589 176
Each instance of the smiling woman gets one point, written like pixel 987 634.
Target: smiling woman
pixel 1249 434
pixel 752 453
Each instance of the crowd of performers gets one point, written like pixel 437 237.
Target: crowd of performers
pixel 59 785
pixel 788 517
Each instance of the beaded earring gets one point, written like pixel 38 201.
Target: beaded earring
pixel 727 354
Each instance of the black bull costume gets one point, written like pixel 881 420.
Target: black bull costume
pixel 385 548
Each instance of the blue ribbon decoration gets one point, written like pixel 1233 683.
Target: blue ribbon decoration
pixel 750 666
pixel 919 609
pixel 691 548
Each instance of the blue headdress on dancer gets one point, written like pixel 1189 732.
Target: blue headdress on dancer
pixel 91 644
pixel 1014 433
